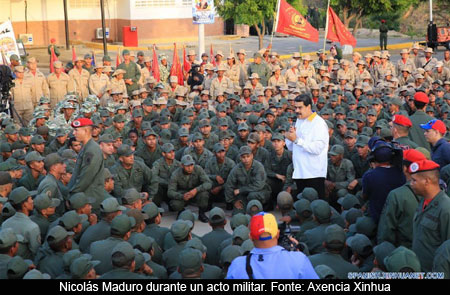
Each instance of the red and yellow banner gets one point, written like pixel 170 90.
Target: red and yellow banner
pixel 337 32
pixel 291 22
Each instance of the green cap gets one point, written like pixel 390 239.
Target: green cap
pixel 349 201
pixel 216 215
pixel 239 219
pixel 37 139
pixel 366 226
pixel 350 134
pixel 124 151
pixel 11 129
pixel 400 258
pixel 204 123
pixel 119 118
pixel 180 229
pixel 35 274
pixel 5 147
pixel 352 215
pixel 141 240
pixel 197 136
pixel 360 244
pixel 196 243
pixel 17 267
pixel 33 156
pixel 247 246
pixel 229 254
pixel 321 210
pixel 25 131
pixel 277 136
pixel 126 52
pixel 183 132
pixel 187 160
pixel 138 215
pixel 8 238
pixel 335 235
pixel 69 154
pixel 111 205
pixel 302 205
pixel 140 258
pixel 167 147
pixel 57 234
pixel 130 196
pixel 106 138
pixel 309 194
pixel 20 194
pixel 285 201
pixel 106 58
pixel 362 140
pixel 189 261
pixel 82 266
pixel 336 150
pixel 122 224
pixel 137 113
pixel 218 147
pixel 188 215
pixel 71 255
pixel 241 232
pixel 254 203
pixel 244 150
pixel 382 251
pixel 70 219
pixel 79 200
pixel 52 159
pixel 325 272
pixel 43 201
pixel 126 250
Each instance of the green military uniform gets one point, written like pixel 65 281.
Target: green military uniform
pixel 277 165
pixel 383 36
pixel 214 169
pixel 87 176
pixel 199 159
pixel 406 142
pixel 133 72
pixel 180 230
pixel 262 70
pixel 29 182
pixel 431 228
pixel 181 183
pixel 210 140
pixel 396 224
pixel 442 259
pixel 49 185
pixel 361 166
pixel 213 239
pixel 7 239
pixel 139 176
pixel 415 132
pixel 120 273
pixel 162 172
pixel 148 156
pixel 341 175
pixel 315 237
pixel 109 162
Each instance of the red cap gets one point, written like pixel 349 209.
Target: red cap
pixel 435 124
pixel 402 120
pixel 422 97
pixel 422 166
pixel 52 40
pixel 82 122
pixel 383 21
pixel 413 155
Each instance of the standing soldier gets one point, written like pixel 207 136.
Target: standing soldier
pixel 260 68
pixel 21 94
pixel 81 78
pixel 87 176
pixel 39 86
pixel 233 70
pixel 99 82
pixel 88 63
pixel 59 83
pixel 133 72
pixel 220 83
pixel 243 65
pixel 164 68
pixel 431 225
pixel 383 35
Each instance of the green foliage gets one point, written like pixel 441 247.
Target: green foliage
pixel 249 12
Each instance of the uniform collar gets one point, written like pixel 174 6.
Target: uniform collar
pixel 311 117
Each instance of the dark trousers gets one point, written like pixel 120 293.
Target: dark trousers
pixel 316 183
pixel 383 41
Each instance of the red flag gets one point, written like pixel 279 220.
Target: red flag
pixel 337 32
pixel 74 55
pixel 53 58
pixel 212 57
pixel 176 66
pixel 155 65
pixel 186 64
pixel 291 22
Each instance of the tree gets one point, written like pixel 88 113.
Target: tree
pixel 249 12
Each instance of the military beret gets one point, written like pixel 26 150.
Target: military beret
pixel 422 166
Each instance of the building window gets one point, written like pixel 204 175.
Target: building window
pixel 153 3
pixel 84 3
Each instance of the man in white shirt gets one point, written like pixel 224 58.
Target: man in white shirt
pixel 308 141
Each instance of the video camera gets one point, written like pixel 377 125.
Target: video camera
pixel 6 83
pixel 286 231
pixel 382 151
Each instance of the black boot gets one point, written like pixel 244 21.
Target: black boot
pixel 202 216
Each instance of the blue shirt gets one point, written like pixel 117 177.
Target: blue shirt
pixel 273 263
pixel 440 152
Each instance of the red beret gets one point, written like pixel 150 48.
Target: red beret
pixel 402 120
pixel 422 97
pixel 422 166
pixel 413 155
pixel 82 122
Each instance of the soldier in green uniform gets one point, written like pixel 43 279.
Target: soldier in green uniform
pixel 247 181
pixel 146 244
pixel 396 220
pixel 360 162
pixel 213 239
pixel 181 232
pixel 55 167
pixel 163 169
pixel 150 151
pixel 334 245
pixel 130 173
pixel 189 183
pixel 118 128
pixel 120 232
pixel 400 130
pixel 340 172
pixel 431 225
pixel 109 209
pixel 441 261
pixel 402 260
pixel 44 208
pixel 59 141
pixel 362 250
pixel 38 145
pixel 416 133
pixel 209 138
pixel 123 263
pixel 260 68
pixel 383 35
pixel 133 72
pixel 197 151
pixel 106 143
pixel 59 242
pixel 87 176
pixel 154 230
pixel 9 244
pixel 34 174
pixel 83 268
pixel 315 237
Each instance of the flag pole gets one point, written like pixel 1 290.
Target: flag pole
pixel 275 21
pixel 326 27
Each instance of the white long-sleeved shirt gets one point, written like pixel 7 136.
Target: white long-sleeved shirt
pixel 310 153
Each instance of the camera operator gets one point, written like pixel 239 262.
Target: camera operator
pixel 264 260
pixel 195 77
pixel 386 175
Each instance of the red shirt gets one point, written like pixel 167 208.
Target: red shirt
pixel 426 203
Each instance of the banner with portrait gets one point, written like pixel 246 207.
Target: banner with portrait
pixel 8 44
pixel 203 12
